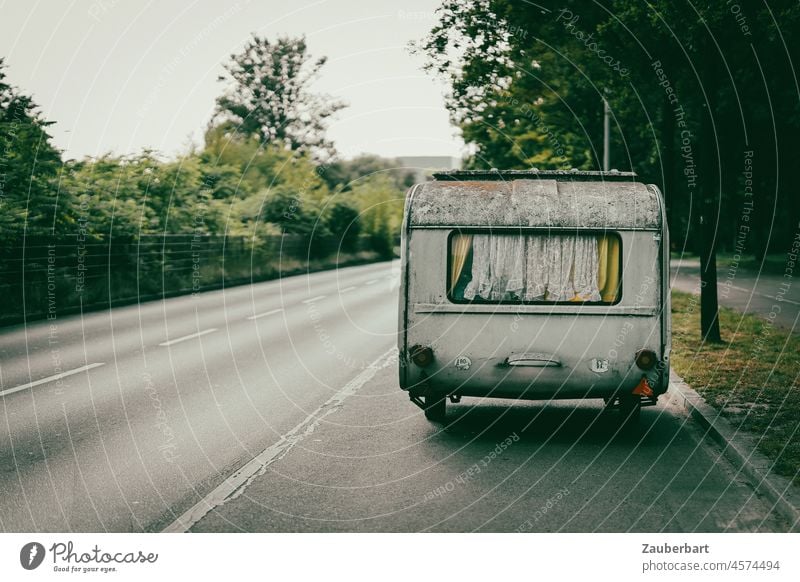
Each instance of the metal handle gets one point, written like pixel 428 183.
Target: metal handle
pixel 533 359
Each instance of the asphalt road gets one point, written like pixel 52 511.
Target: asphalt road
pixel 766 295
pixel 275 407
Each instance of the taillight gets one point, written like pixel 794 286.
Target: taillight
pixel 421 355
pixel 646 359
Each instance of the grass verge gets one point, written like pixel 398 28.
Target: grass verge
pixel 753 377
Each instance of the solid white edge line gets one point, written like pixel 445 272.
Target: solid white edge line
pixel 235 485
pixel 266 313
pixel 51 378
pixel 188 337
pixel 317 298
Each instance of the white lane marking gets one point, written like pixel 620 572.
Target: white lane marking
pixel 317 298
pixel 51 378
pixel 188 337
pixel 347 289
pixel 266 313
pixel 371 282
pixel 235 485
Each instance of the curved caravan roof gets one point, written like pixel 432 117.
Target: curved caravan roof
pixel 535 199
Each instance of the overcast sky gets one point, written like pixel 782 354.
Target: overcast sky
pixel 122 75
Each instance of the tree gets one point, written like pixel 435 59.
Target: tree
pixel 691 91
pixel 270 98
pixel 380 207
pixel 29 166
pixel 283 207
pixel 342 222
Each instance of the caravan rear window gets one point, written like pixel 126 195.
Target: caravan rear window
pixel 534 267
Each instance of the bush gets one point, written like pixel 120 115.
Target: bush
pixel 343 223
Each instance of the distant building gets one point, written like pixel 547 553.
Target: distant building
pixel 424 166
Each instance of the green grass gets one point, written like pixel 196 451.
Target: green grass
pixel 752 377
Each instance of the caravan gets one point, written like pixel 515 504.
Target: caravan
pixel 534 285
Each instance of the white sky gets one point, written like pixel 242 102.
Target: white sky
pixel 121 75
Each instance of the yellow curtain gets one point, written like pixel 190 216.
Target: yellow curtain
pixel 608 275
pixel 460 245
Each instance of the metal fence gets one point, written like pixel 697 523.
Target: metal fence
pixel 45 276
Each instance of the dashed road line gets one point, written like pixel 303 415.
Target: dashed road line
pixel 188 337
pixel 51 378
pixel 265 314
pixel 348 289
pixel 313 299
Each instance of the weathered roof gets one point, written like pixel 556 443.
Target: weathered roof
pixel 495 174
pixel 548 203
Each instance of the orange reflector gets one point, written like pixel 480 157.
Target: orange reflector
pixel 643 388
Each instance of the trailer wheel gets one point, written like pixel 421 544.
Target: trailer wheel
pixel 435 406
pixel 630 406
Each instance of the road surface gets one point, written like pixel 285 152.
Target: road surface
pixel 766 295
pixel 275 407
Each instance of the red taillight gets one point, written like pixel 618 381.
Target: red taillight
pixel 421 355
pixel 646 359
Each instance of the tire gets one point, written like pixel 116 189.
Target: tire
pixel 630 407
pixel 435 407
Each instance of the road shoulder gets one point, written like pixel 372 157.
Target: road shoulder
pixel 740 449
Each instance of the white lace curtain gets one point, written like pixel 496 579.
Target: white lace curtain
pixel 534 268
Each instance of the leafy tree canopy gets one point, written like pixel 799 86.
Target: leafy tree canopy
pixel 269 95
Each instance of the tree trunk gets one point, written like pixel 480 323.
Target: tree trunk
pixel 709 305
pixel 709 216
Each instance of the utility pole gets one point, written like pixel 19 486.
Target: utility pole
pixel 606 135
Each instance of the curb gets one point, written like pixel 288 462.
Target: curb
pixel 740 449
